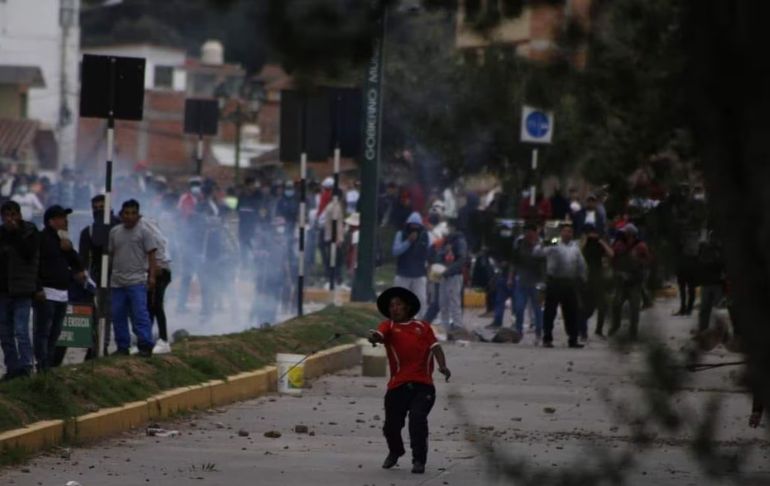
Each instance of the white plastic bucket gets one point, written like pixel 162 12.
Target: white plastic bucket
pixel 291 376
pixel 374 359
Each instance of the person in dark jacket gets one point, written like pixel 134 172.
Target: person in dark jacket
pixel 410 247
pixel 590 216
pixel 93 241
pixel 19 263
pixel 711 266
pixel 58 263
pixel 454 256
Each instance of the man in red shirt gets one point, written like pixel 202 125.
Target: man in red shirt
pixel 411 347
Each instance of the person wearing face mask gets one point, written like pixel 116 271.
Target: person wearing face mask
pixel 91 246
pixel 411 247
pixel 30 204
pixel 287 207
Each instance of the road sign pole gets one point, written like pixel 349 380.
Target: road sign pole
pixel 533 189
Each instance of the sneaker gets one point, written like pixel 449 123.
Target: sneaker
pixel 493 325
pixel 576 346
pixel 161 347
pixel 145 353
pixel 391 461
pixel 121 352
pixel 418 467
pixel 537 341
pixel 600 335
pixel 133 350
pixel 547 344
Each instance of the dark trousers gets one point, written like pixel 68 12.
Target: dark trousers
pixel 686 280
pixel 417 400
pixel 48 321
pixel 155 300
pixel 594 300
pixel 564 293
pixel 631 292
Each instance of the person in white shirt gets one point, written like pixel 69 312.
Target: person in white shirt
pixel 30 204
pixel 565 268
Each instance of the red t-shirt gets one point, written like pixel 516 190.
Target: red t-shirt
pixel 410 351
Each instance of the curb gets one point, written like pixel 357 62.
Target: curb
pixel 109 422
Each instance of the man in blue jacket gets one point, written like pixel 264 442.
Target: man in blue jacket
pixel 410 247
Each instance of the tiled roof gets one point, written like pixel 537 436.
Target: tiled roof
pixel 16 137
pixel 26 75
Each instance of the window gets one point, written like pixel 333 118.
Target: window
pixel 164 77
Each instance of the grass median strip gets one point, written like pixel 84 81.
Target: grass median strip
pixel 75 390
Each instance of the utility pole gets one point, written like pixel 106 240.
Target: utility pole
pixel 363 285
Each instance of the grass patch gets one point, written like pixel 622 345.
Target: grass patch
pixel 78 389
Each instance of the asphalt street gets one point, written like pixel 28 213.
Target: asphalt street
pixel 548 407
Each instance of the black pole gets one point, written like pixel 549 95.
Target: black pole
pixel 302 209
pixel 363 285
pixel 336 191
pixel 104 285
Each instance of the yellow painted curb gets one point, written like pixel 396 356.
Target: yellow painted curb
pixel 314 294
pixel 34 437
pixel 474 298
pixel 112 421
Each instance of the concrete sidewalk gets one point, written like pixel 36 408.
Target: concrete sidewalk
pixel 539 404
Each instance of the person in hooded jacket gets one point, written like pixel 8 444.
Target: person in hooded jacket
pixel 410 247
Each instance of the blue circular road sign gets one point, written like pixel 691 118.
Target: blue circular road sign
pixel 537 124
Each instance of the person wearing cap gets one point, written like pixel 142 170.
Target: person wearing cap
pixel 19 266
pixel 631 257
pixel 565 270
pixel 132 249
pixel 59 262
pixel 411 348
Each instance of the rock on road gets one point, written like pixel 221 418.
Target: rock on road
pixel 543 405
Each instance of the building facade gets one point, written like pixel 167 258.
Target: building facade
pixel 42 36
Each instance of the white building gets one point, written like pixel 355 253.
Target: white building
pixel 164 66
pixel 46 34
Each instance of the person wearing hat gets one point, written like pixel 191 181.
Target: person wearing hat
pixel 19 264
pixel 411 348
pixel 59 262
pixel 631 257
pixel 565 269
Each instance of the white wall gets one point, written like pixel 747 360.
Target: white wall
pixel 30 34
pixel 154 55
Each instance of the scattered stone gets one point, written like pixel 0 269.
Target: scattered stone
pixel 376 417
pixel 272 434
pixel 360 421
pixel 301 429
pixel 243 433
pixel 219 425
pixel 549 410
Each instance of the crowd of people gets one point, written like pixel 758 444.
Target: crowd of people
pixel 560 252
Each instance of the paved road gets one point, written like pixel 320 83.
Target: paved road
pixel 505 389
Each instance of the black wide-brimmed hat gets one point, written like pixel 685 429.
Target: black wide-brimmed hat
pixel 383 301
